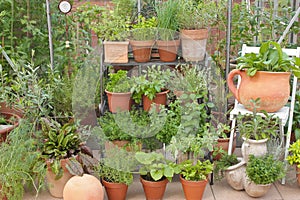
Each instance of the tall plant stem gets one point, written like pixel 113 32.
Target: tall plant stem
pixel 12 24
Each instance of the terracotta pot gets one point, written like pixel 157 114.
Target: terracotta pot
pixel 223 143
pixel 256 190
pixel 193 190
pixel 56 187
pixel 115 51
pixel 254 147
pixel 154 190
pixel 159 99
pixel 115 191
pixel 236 174
pixel 167 50
pixel 141 50
pixel 273 89
pixel 121 144
pixel 119 101
pixel 193 44
pixel 83 187
pixel 8 128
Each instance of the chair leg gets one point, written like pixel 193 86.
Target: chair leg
pixel 231 135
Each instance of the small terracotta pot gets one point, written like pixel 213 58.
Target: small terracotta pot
pixel 119 101
pixel 141 50
pixel 115 191
pixel 168 50
pixel 154 190
pixel 5 131
pixel 193 189
pixel 298 175
pixel 159 99
pixel 223 143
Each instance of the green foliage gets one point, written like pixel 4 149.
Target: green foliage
pixel 294 157
pixel 194 14
pixel 113 175
pixel 257 126
pixel 223 163
pixel 155 166
pixel 264 170
pixel 153 80
pixel 296 116
pixel 195 171
pixel 119 82
pixel 167 20
pixel 269 59
pixel 144 29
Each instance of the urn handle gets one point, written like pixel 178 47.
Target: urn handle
pixel 232 87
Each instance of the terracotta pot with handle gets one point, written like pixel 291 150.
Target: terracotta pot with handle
pixel 273 89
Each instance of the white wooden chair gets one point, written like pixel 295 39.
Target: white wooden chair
pixel 285 114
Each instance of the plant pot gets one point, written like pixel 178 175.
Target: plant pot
pixel 256 190
pixel 193 190
pixel 115 191
pixel 254 147
pixel 121 144
pixel 6 129
pixel 115 52
pixel 56 187
pixel 141 50
pixel 236 174
pixel 159 99
pixel 154 190
pixel 167 50
pixel 193 44
pixel 119 101
pixel 223 143
pixel 273 89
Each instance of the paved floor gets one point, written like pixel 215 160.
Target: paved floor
pixel 218 191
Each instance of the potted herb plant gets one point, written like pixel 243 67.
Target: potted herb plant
pixel 260 73
pixel 113 30
pixel 65 154
pixel 143 35
pixel 167 23
pixel 233 168
pixel 156 171
pixel 194 177
pixel 118 91
pixel 256 129
pixel 261 173
pixel 194 18
pixel 294 157
pixel 115 171
pixel 151 86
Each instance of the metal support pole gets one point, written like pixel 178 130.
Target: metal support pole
pixel 49 33
pixel 228 35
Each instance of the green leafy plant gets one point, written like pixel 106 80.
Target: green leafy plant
pixel 167 19
pixel 270 58
pixel 195 171
pixel 256 126
pixel 155 166
pixel 64 142
pixel 119 82
pixel 264 170
pixel 153 80
pixel 144 29
pixel 294 157
pixel 223 163
pixel 196 14
pixel 296 117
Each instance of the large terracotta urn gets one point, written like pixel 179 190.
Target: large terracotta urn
pixel 273 89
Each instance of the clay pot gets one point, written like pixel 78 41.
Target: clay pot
pixel 115 191
pixel 236 174
pixel 83 188
pixel 119 101
pixel 141 50
pixel 193 190
pixel 273 89
pixel 193 44
pixel 298 175
pixel 56 187
pixel 159 99
pixel 223 143
pixel 256 190
pixel 154 190
pixel 167 50
pixel 254 147
pixel 13 120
